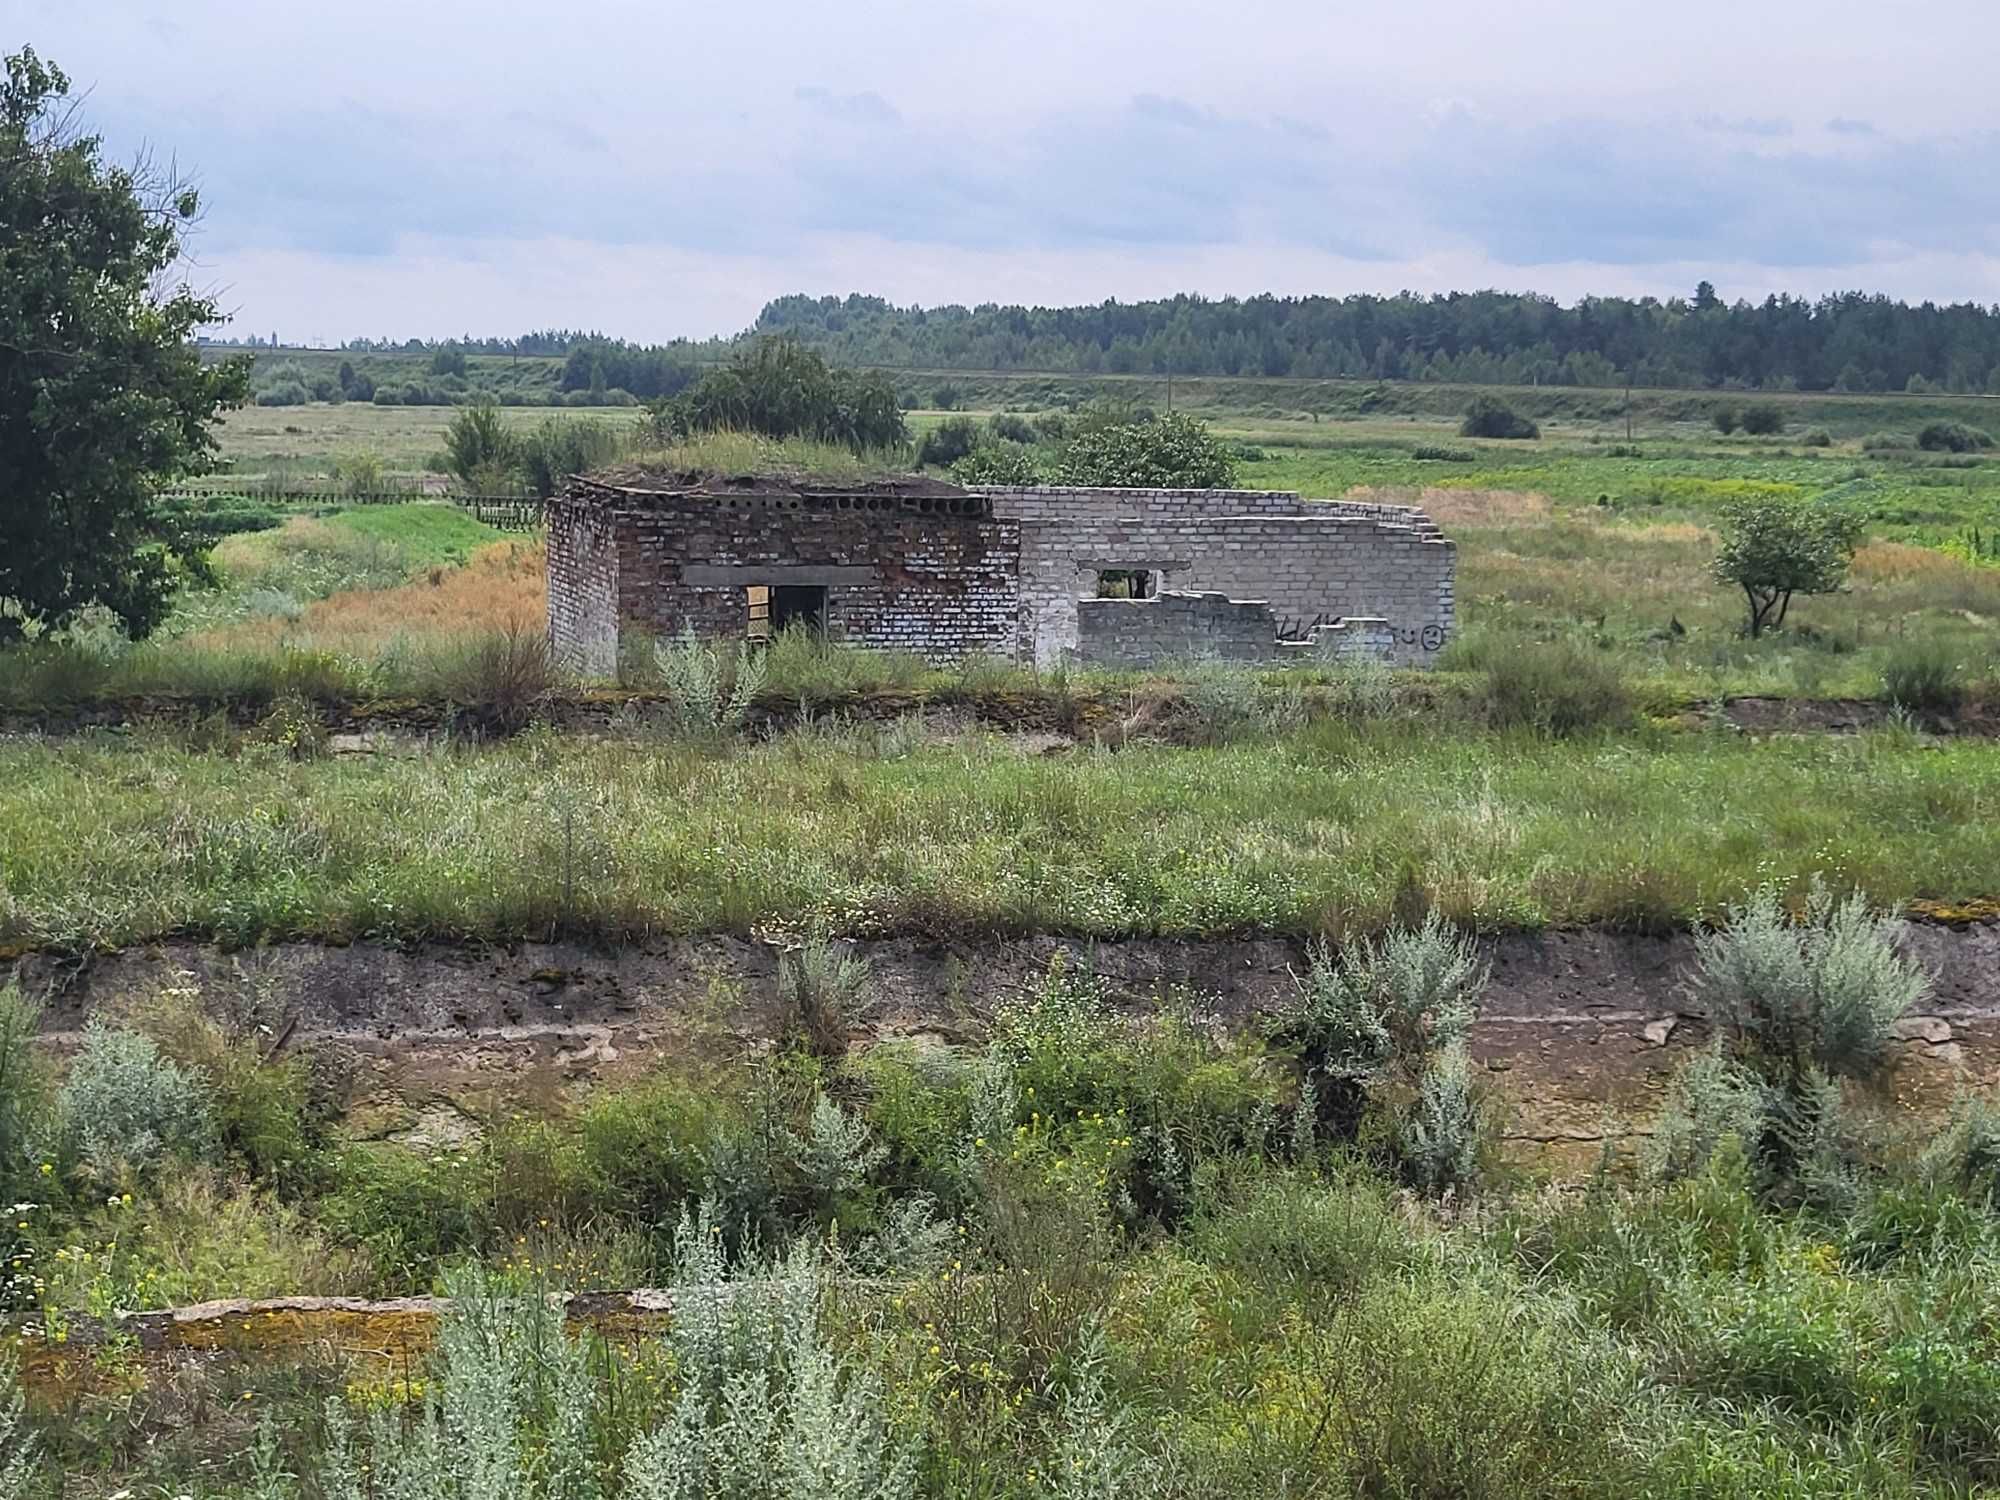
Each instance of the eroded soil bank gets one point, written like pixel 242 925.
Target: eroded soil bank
pixel 1578 1033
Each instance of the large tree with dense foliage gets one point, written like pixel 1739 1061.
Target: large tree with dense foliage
pixel 103 397
pixel 1174 451
pixel 781 389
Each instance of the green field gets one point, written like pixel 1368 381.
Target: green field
pixel 1290 831
pixel 303 444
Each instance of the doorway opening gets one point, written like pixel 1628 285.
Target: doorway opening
pixel 803 605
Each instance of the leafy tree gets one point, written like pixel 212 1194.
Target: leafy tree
pixel 1490 417
pixel 1775 548
pixel 781 389
pixel 449 360
pixel 479 445
pixel 1726 418
pixel 1172 451
pixel 104 398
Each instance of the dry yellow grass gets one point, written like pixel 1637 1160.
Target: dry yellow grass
pixel 504 587
pixel 1899 562
pixel 1450 507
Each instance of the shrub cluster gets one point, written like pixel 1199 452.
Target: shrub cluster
pixel 1381 1027
pixel 1799 1006
pixel 491 457
pixel 1104 1253
pixel 1171 451
pixel 1953 437
pixel 1490 417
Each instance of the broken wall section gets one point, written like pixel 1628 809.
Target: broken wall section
pixel 1139 634
pixel 1312 562
pixel 583 580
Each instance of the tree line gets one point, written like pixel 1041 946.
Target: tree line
pixel 1848 342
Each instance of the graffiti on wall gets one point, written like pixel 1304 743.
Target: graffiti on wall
pixel 1299 628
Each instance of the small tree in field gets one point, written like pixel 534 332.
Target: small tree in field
pixel 104 398
pixel 482 450
pixel 1774 548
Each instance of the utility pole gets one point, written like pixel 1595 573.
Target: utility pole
pixel 1628 406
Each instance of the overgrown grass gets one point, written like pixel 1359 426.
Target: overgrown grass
pixel 424 536
pixel 734 453
pixel 120 841
pixel 1081 1247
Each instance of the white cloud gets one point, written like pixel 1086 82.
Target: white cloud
pixel 662 166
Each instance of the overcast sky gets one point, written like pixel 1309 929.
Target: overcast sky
pixel 654 168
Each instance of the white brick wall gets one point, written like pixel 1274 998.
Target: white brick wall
pixel 1313 561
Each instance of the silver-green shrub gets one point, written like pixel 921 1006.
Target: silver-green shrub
pixel 1382 1024
pixel 1965 1155
pixel 1397 999
pixel 1711 1099
pixel 691 671
pixel 1824 992
pixel 910 1241
pixel 506 1415
pixel 1437 1140
pixel 837 1151
pixel 124 1105
pixel 17 1445
pixel 1094 1445
pixel 767 1410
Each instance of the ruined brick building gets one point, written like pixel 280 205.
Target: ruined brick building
pixel 1110 577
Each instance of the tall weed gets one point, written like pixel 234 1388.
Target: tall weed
pixel 691 671
pixel 1557 688
pixel 822 992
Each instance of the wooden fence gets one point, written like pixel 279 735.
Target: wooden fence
pixel 502 512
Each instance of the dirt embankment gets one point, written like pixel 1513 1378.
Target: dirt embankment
pixel 1578 1033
